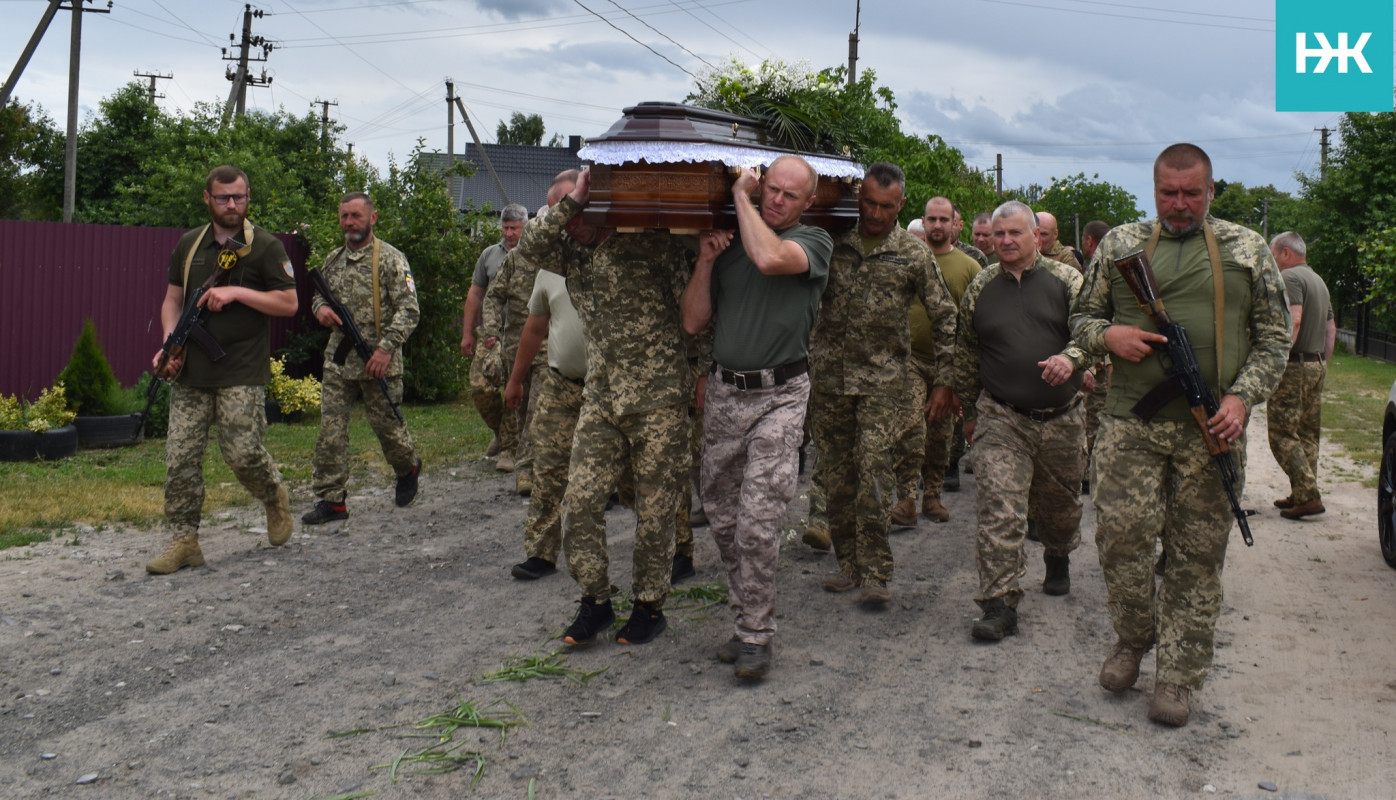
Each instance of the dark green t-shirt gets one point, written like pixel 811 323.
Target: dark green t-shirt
pixel 763 321
pixel 242 331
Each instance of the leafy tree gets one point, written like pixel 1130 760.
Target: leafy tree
pixel 27 138
pixel 1263 209
pixel 521 129
pixel 819 112
pixel 1090 198
pixel 1352 206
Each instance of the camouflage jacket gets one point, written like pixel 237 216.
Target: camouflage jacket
pixel 861 342
pixel 1064 254
pixel 968 377
pixel 1264 319
pixel 626 290
pixel 350 275
pixel 505 308
pixel 973 252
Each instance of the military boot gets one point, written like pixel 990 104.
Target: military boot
pixel 952 477
pixel 182 552
pixel 279 518
pixel 933 510
pixel 1170 704
pixel 816 535
pixel 904 513
pixel 1121 668
pixel 1058 580
pixel 997 621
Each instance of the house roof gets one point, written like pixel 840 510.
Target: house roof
pixel 526 172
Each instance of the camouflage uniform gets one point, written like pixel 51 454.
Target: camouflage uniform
pixel 1021 462
pixel 350 275
pixel 1155 480
pixel 205 395
pixel 504 311
pixel 915 447
pixel 638 382
pixel 559 401
pixel 858 363
pixel 1063 254
pixel 1294 413
pixel 972 251
pixel 487 375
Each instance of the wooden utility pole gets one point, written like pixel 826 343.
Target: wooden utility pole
pixel 1323 152
pixel 324 118
pixel 153 76
pixel 484 157
pixel 237 98
pixel 70 147
pixel 28 52
pixel 998 173
pixel 853 44
pixel 450 123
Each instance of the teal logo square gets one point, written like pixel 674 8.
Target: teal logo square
pixel 1333 56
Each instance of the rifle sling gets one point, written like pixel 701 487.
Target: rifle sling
pixel 1218 283
pixel 242 251
pixel 377 311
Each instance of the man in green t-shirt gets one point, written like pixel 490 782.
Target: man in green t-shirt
pixel 760 290
pixel 1295 411
pixel 231 391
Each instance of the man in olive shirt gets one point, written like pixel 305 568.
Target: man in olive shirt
pixel 761 291
pixel 1295 410
pixel 983 234
pixel 1018 369
pixel 487 371
pixel 231 392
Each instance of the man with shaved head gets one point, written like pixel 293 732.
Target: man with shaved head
pixel 1049 245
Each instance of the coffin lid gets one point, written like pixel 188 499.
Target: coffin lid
pixel 664 133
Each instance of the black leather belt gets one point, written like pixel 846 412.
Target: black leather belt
pixel 1296 358
pixel 572 381
pixel 1041 414
pixel 763 378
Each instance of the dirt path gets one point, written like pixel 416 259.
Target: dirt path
pixel 225 681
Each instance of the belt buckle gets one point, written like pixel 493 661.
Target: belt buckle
pixel 739 380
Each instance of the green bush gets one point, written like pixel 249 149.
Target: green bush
pixel 88 378
pixel 157 422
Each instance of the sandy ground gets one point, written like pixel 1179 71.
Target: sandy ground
pixel 226 681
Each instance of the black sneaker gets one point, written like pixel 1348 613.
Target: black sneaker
pixel 645 623
pixel 683 568
pixel 754 661
pixel 407 486
pixel 533 569
pixel 592 618
pixel 952 478
pixel 325 511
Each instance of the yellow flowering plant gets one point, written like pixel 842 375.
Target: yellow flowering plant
pixel 292 394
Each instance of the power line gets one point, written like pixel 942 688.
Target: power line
pixel 661 33
pixel 633 39
pixel 1128 16
pixel 709 26
pixel 1121 144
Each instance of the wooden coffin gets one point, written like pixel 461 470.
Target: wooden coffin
pixel 671 166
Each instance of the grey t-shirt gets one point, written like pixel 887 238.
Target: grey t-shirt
pixel 567 349
pixel 763 321
pixel 488 265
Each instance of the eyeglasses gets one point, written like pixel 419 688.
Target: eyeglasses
pixel 224 199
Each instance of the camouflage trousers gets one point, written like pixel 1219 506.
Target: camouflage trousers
pixel 657 444
pixel 1156 481
pixel 1020 463
pixel 240 414
pixel 522 416
pixel 854 436
pixel 1094 404
pixel 558 402
pixel 751 464
pixel 486 388
pixel 1294 415
pixel 923 448
pixel 331 462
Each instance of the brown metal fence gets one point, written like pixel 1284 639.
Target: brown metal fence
pixel 53 276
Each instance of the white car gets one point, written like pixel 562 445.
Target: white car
pixel 1386 482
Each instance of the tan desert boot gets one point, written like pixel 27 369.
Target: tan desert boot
pixel 182 552
pixel 279 518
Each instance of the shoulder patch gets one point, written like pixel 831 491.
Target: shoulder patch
pixel 411 284
pixel 290 271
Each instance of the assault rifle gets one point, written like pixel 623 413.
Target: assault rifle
pixel 191 326
pixel 1184 378
pixel 352 338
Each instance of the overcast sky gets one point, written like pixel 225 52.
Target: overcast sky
pixel 1057 86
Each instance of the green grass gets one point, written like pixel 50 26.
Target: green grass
pixel 125 485
pixel 1354 399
